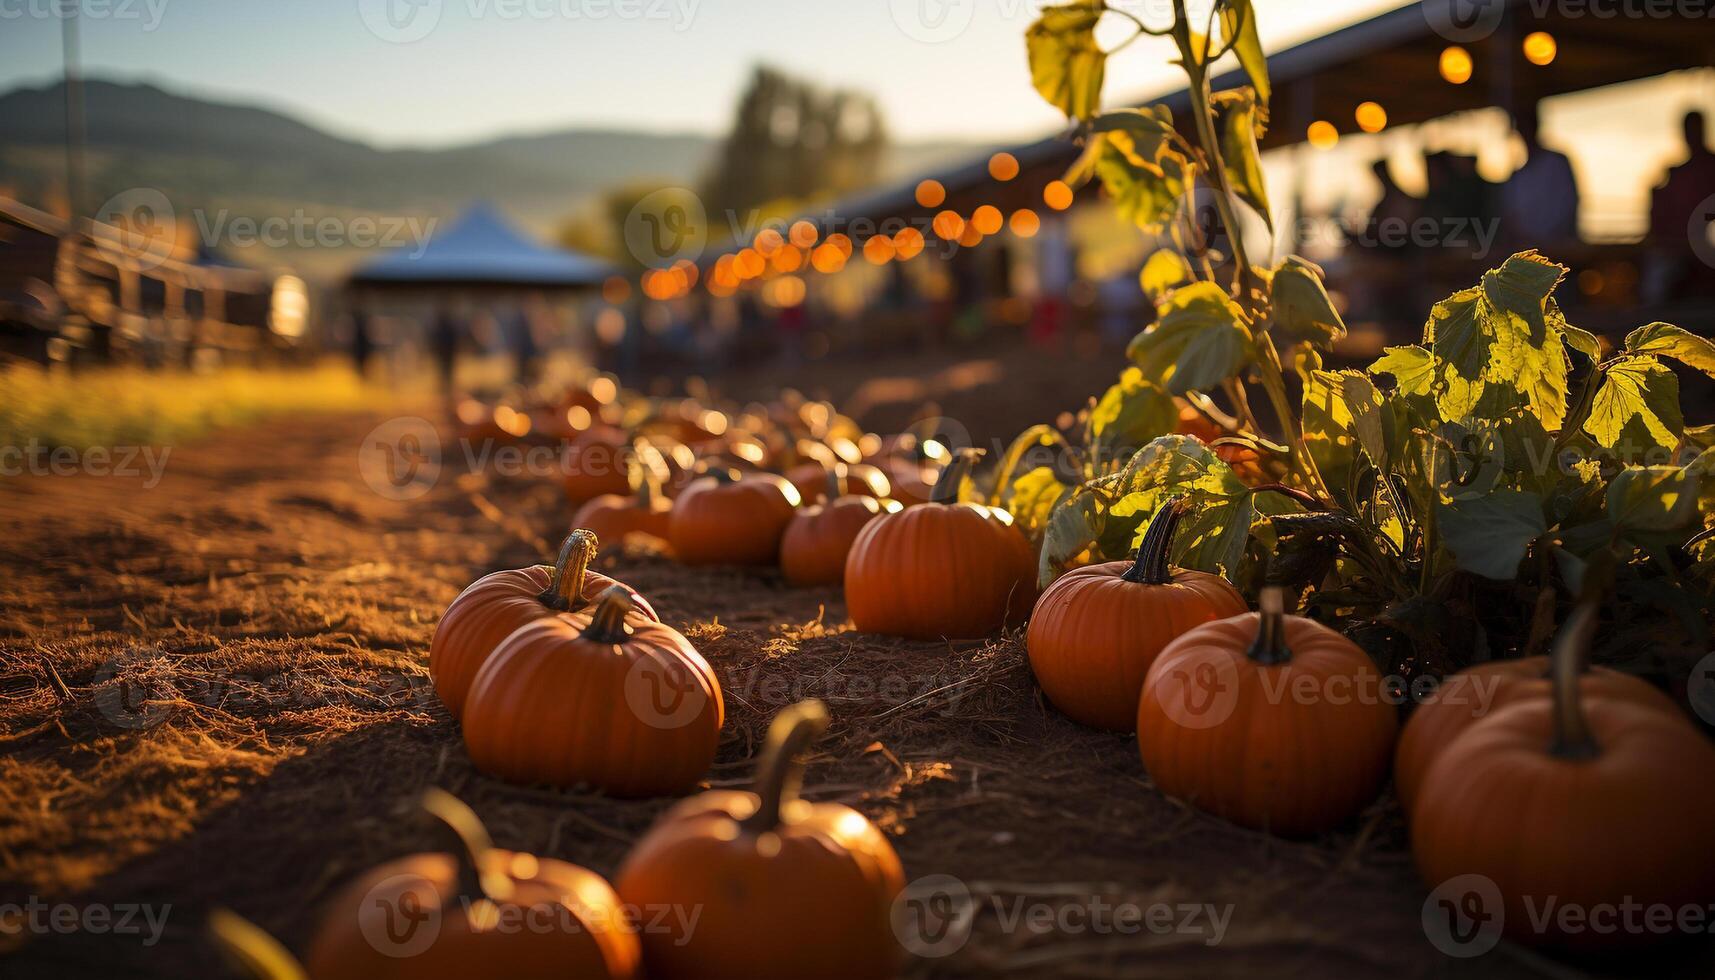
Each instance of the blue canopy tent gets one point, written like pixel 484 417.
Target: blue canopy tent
pixel 481 250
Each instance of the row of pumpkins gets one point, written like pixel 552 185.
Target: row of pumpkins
pixel 1558 780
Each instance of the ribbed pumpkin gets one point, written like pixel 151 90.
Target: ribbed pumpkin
pixel 1573 802
pixel 813 550
pixel 861 479
pixel 594 464
pixel 1272 721
pixel 615 517
pixel 787 889
pixel 724 519
pixel 1478 692
pixel 492 607
pixel 942 569
pixel 1097 630
pixel 606 699
pixel 436 914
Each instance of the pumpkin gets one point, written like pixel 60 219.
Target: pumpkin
pixel 788 889
pixel 723 519
pixel 439 914
pixel 594 463
pixel 489 609
pixel 1272 721
pixel 1584 802
pixel 860 479
pixel 1096 631
pixel 615 517
pixel 813 550
pixel 1475 693
pixel 943 569
pixel 604 699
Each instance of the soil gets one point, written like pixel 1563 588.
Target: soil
pixel 215 693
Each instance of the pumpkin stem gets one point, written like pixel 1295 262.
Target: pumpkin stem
pixel 1269 648
pixel 1572 737
pixel 641 476
pixel 1153 565
pixel 836 480
pixel 781 770
pixel 607 623
pixel 953 475
pixel 475 880
pixel 565 591
pixel 252 949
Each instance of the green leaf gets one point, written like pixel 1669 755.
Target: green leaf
pixel 1243 122
pixel 1072 527
pixel 1413 369
pixel 1238 19
pixel 1489 535
pixel 1130 414
pixel 1199 342
pixel 1164 270
pixel 1637 407
pixel 1330 427
pixel 1212 535
pixel 1667 340
pixel 1495 347
pixel 1521 287
pixel 1655 498
pixel 1066 65
pixel 1582 341
pixel 1146 191
pixel 1150 128
pixel 1302 309
pixel 1033 498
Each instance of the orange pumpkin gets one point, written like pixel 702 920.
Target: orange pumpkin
pixel 1478 692
pixel 860 479
pixel 1574 802
pixel 943 569
pixel 1096 631
pixel 606 699
pixel 430 915
pixel 615 518
pixel 814 548
pixel 490 608
pixel 594 464
pixel 788 889
pixel 1272 721
pixel 723 519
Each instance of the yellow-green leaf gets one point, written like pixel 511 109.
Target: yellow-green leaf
pixel 1302 308
pixel 1238 20
pixel 1199 341
pixel 1243 122
pixel 1066 65
pixel 1165 270
pixel 1678 343
pixel 1033 497
pixel 1130 414
pixel 1637 407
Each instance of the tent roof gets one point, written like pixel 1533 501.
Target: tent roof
pixel 482 248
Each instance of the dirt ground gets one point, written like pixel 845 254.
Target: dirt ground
pixel 215 693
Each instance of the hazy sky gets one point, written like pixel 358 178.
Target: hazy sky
pixel 951 68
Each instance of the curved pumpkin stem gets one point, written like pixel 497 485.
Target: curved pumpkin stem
pixel 952 477
pixel 1270 648
pixel 565 591
pixel 607 623
pixel 781 771
pixel 1154 555
pixel 1572 737
pixel 642 476
pixel 250 947
pixel 474 844
pixel 836 480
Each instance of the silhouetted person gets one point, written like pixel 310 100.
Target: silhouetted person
pixel 1539 202
pixel 1682 207
pixel 444 345
pixel 1389 225
pixel 362 344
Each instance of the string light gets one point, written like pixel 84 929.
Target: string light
pixel 987 219
pixel 1024 223
pixel 1540 48
pixel 1456 65
pixel 1372 118
pixel 1003 166
pixel 930 194
pixel 1323 135
pixel 1057 195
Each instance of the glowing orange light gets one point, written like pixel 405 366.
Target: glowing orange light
pixel 930 193
pixel 1003 166
pixel 878 249
pixel 1024 223
pixel 971 235
pixel 802 234
pixel 948 226
pixel 688 272
pixel 1057 195
pixel 748 264
pixel 907 243
pixel 788 259
pixel 615 290
pixel 1372 118
pixel 987 219
pixel 842 244
pixel 1323 135
pixel 768 241
pixel 827 258
pixel 1541 48
pixel 1456 65
pixel 786 291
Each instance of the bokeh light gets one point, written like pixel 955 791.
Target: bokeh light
pixel 1324 135
pixel 1540 48
pixel 1456 65
pixel 930 194
pixel 987 219
pixel 1024 223
pixel 878 249
pixel 1372 118
pixel 948 226
pixel 907 243
pixel 802 234
pixel 1003 166
pixel 1057 195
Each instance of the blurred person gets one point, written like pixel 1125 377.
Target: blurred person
pixel 1389 225
pixel 1539 202
pixel 1682 207
pixel 362 341
pixel 444 334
